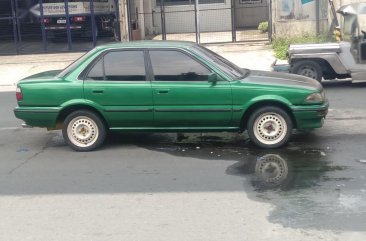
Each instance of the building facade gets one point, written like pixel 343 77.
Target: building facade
pixel 36 26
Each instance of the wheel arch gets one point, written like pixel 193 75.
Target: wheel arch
pixel 65 111
pixel 263 103
pixel 330 63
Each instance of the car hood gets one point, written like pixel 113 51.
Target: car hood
pixel 44 75
pixel 282 79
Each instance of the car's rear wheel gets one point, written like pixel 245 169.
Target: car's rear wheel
pixel 84 130
pixel 269 127
pixel 308 68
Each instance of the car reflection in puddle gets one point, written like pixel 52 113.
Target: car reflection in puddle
pixel 285 171
pixel 306 186
pixel 271 171
pixel 306 189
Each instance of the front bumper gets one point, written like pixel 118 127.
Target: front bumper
pixel 310 116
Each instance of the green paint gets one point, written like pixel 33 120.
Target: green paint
pixel 165 105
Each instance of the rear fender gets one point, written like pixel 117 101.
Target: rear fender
pixel 78 104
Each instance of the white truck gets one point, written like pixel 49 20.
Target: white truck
pixel 341 60
pixel 80 22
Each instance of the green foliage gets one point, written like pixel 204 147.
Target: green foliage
pixel 263 27
pixel 280 45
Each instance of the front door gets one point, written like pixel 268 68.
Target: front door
pixel 118 84
pixel 183 97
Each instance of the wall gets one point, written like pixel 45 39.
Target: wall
pixel 181 19
pixel 298 17
pixel 339 3
pixel 147 21
pixel 295 28
pixel 250 15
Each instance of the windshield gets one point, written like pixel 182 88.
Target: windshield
pixel 223 64
pixel 76 63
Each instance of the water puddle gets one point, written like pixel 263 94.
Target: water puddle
pixel 308 187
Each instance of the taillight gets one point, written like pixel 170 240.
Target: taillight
pixel 79 19
pixel 18 94
pixel 46 20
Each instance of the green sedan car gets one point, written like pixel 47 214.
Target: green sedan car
pixel 167 86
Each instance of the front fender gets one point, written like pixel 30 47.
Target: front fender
pixel 272 98
pixel 243 111
pixel 331 58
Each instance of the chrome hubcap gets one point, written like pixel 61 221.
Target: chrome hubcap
pixel 82 131
pixel 270 128
pixel 308 71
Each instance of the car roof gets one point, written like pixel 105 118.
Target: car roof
pixel 148 44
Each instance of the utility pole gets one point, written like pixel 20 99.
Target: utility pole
pixel 123 20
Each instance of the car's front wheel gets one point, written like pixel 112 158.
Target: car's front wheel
pixel 269 127
pixel 83 130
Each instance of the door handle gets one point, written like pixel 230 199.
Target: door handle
pixel 163 91
pixel 97 91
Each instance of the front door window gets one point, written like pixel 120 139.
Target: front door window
pixel 177 66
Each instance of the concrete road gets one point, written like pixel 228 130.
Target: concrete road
pixel 204 187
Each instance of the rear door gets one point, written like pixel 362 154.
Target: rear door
pixel 182 95
pixel 118 83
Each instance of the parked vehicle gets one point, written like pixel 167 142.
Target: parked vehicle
pixel 346 59
pixel 167 86
pixel 80 16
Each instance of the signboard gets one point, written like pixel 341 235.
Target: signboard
pixel 300 9
pixel 75 8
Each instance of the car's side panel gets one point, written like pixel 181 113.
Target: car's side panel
pixel 124 104
pixel 119 84
pixel 187 99
pixel 49 93
pixel 43 100
pixel 193 104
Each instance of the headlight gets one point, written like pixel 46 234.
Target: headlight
pixel 315 98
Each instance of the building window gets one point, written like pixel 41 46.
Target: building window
pixel 186 2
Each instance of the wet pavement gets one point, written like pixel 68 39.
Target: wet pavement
pixel 319 186
pixel 317 182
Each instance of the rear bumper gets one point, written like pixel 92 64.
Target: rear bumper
pixel 64 28
pixel 310 117
pixel 38 116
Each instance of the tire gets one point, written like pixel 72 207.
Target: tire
pixel 269 127
pixel 84 131
pixel 309 69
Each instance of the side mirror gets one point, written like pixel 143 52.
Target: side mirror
pixel 212 78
